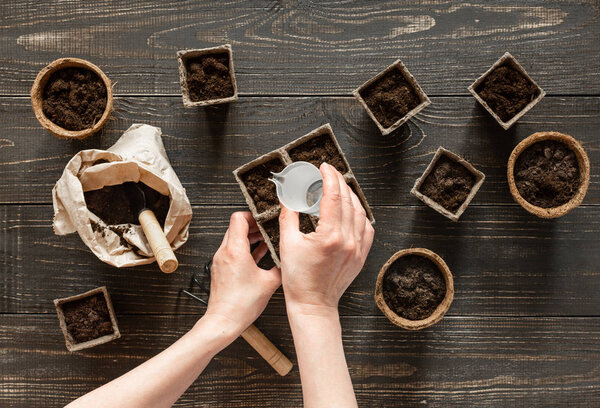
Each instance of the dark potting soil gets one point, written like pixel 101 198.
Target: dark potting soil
pixel 318 150
pixel 390 97
pixel 87 318
pixel 74 98
pixel 208 77
pixel 272 229
pixel 448 184
pixel 507 91
pixel 112 205
pixel 259 187
pixel 413 287
pixel 547 174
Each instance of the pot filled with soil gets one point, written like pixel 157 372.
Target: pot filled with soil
pixel 506 91
pixel 392 97
pixel 414 288
pixel 206 76
pixel 548 174
pixel 87 319
pixel 448 184
pixel 72 98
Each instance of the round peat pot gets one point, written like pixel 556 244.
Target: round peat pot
pixel 584 174
pixel 440 310
pixel 37 93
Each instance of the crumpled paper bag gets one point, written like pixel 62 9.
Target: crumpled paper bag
pixel 138 155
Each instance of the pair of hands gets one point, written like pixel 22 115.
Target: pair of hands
pixel 316 268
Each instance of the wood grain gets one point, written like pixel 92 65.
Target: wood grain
pixel 205 146
pixel 483 362
pixel 303 47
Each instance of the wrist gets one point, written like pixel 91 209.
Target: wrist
pixel 217 330
pixel 301 309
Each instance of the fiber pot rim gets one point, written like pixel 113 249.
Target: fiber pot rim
pixel 37 93
pixel 441 309
pixel 584 174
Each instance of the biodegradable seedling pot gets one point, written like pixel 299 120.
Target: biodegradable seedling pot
pixel 424 100
pixel 507 58
pixel 37 92
pixel 441 309
pixel 584 174
pixel 479 178
pixel 71 344
pixel 184 55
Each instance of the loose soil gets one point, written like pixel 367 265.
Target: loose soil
pixel 507 91
pixel 413 287
pixel 259 187
pixel 74 98
pixel 272 229
pixel 390 97
pixel 318 150
pixel 448 184
pixel 87 318
pixel 208 77
pixel 547 174
pixel 112 205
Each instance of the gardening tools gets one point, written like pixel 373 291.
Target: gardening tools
pixel 167 262
pixel 300 187
pixel 252 335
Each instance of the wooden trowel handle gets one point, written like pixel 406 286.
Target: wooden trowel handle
pixel 267 350
pixel 167 262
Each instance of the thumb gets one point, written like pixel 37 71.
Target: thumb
pixel 289 223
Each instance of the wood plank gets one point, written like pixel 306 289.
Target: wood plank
pixel 204 146
pixel 300 47
pixel 505 262
pixel 483 362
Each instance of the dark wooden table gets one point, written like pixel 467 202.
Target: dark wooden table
pixel 524 328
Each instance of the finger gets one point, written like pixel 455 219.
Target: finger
pixel 347 206
pixel 289 224
pixel 359 217
pixel 239 228
pixel 331 203
pixel 368 235
pixel 259 252
pixel 255 237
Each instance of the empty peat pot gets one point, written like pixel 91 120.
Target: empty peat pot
pixel 87 319
pixel 414 288
pixel 548 174
pixel 72 98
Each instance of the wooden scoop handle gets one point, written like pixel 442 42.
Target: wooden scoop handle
pixel 167 262
pixel 267 350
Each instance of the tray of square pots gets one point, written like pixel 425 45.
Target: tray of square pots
pixel 414 288
pixel 506 91
pixel 87 319
pixel 548 174
pixel 448 184
pixel 72 98
pixel 391 97
pixel 317 147
pixel 206 76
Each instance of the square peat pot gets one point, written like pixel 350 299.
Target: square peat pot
pixel 448 184
pixel 391 97
pixel 506 108
pixel 206 76
pixel 75 312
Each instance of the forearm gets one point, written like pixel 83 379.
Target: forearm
pixel 319 349
pixel 160 381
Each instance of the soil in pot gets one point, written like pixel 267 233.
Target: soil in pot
pixel 208 77
pixel 74 98
pixel 272 229
pixel 448 184
pixel 413 287
pixel 87 318
pixel 259 187
pixel 547 174
pixel 507 91
pixel 317 150
pixel 390 97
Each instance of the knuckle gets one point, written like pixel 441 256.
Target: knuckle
pixel 236 216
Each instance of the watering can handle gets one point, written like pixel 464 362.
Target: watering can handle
pixel 267 350
pixel 167 262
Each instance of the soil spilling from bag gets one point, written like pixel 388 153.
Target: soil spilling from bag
pixel 390 97
pixel 208 77
pixel 413 287
pixel 87 318
pixel 74 98
pixel 448 184
pixel 259 187
pixel 507 91
pixel 318 150
pixel 547 174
